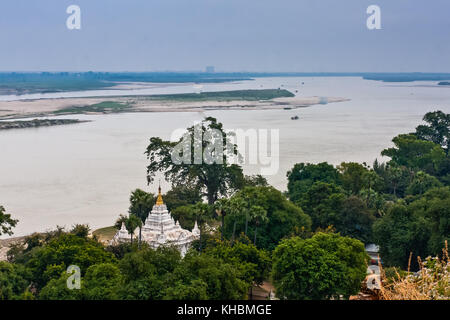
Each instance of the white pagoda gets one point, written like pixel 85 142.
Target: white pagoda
pixel 160 229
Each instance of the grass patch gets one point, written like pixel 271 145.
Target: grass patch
pixel 105 234
pixel 246 95
pixel 102 107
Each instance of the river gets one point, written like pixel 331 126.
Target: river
pixel 84 173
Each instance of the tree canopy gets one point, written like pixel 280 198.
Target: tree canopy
pixel 420 227
pixel 281 217
pixel 218 178
pixel 322 267
pixel 304 175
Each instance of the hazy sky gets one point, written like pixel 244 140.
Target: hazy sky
pixel 232 35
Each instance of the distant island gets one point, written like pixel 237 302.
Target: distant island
pixel 244 95
pixel 5 125
pixel 222 96
pixel 261 99
pixel 444 83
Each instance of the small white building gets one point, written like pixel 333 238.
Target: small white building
pixel 160 229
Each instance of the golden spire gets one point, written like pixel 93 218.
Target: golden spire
pixel 159 200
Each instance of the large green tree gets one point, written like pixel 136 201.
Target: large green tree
pixel 436 129
pixel 353 176
pixel 354 219
pixel 322 267
pixel 255 262
pixel 416 154
pixel 421 183
pixel 222 280
pixel 322 201
pixel 399 233
pixel 419 228
pixel 183 161
pixel 56 289
pixel 304 175
pixel 434 206
pixel 102 282
pixel 182 195
pixel 145 272
pixel 395 179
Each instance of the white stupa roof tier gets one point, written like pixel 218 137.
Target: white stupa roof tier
pixel 161 229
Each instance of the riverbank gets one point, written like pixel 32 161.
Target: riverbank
pixel 36 123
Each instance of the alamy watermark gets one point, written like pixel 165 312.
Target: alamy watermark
pixel 73 22
pixel 74 280
pixel 254 147
pixel 374 20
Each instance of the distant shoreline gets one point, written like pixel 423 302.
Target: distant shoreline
pixel 20 83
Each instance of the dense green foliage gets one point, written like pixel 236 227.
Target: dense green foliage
pixel 322 267
pixel 220 272
pixel 182 195
pixel 420 227
pixel 255 263
pixel 13 281
pixel 304 175
pixel 266 211
pixel 401 204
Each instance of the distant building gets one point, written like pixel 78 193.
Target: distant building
pixel 210 69
pixel 160 229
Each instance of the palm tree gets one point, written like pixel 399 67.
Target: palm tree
pixel 200 213
pixel 141 204
pixel 131 223
pixel 234 207
pixel 221 209
pixel 259 215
